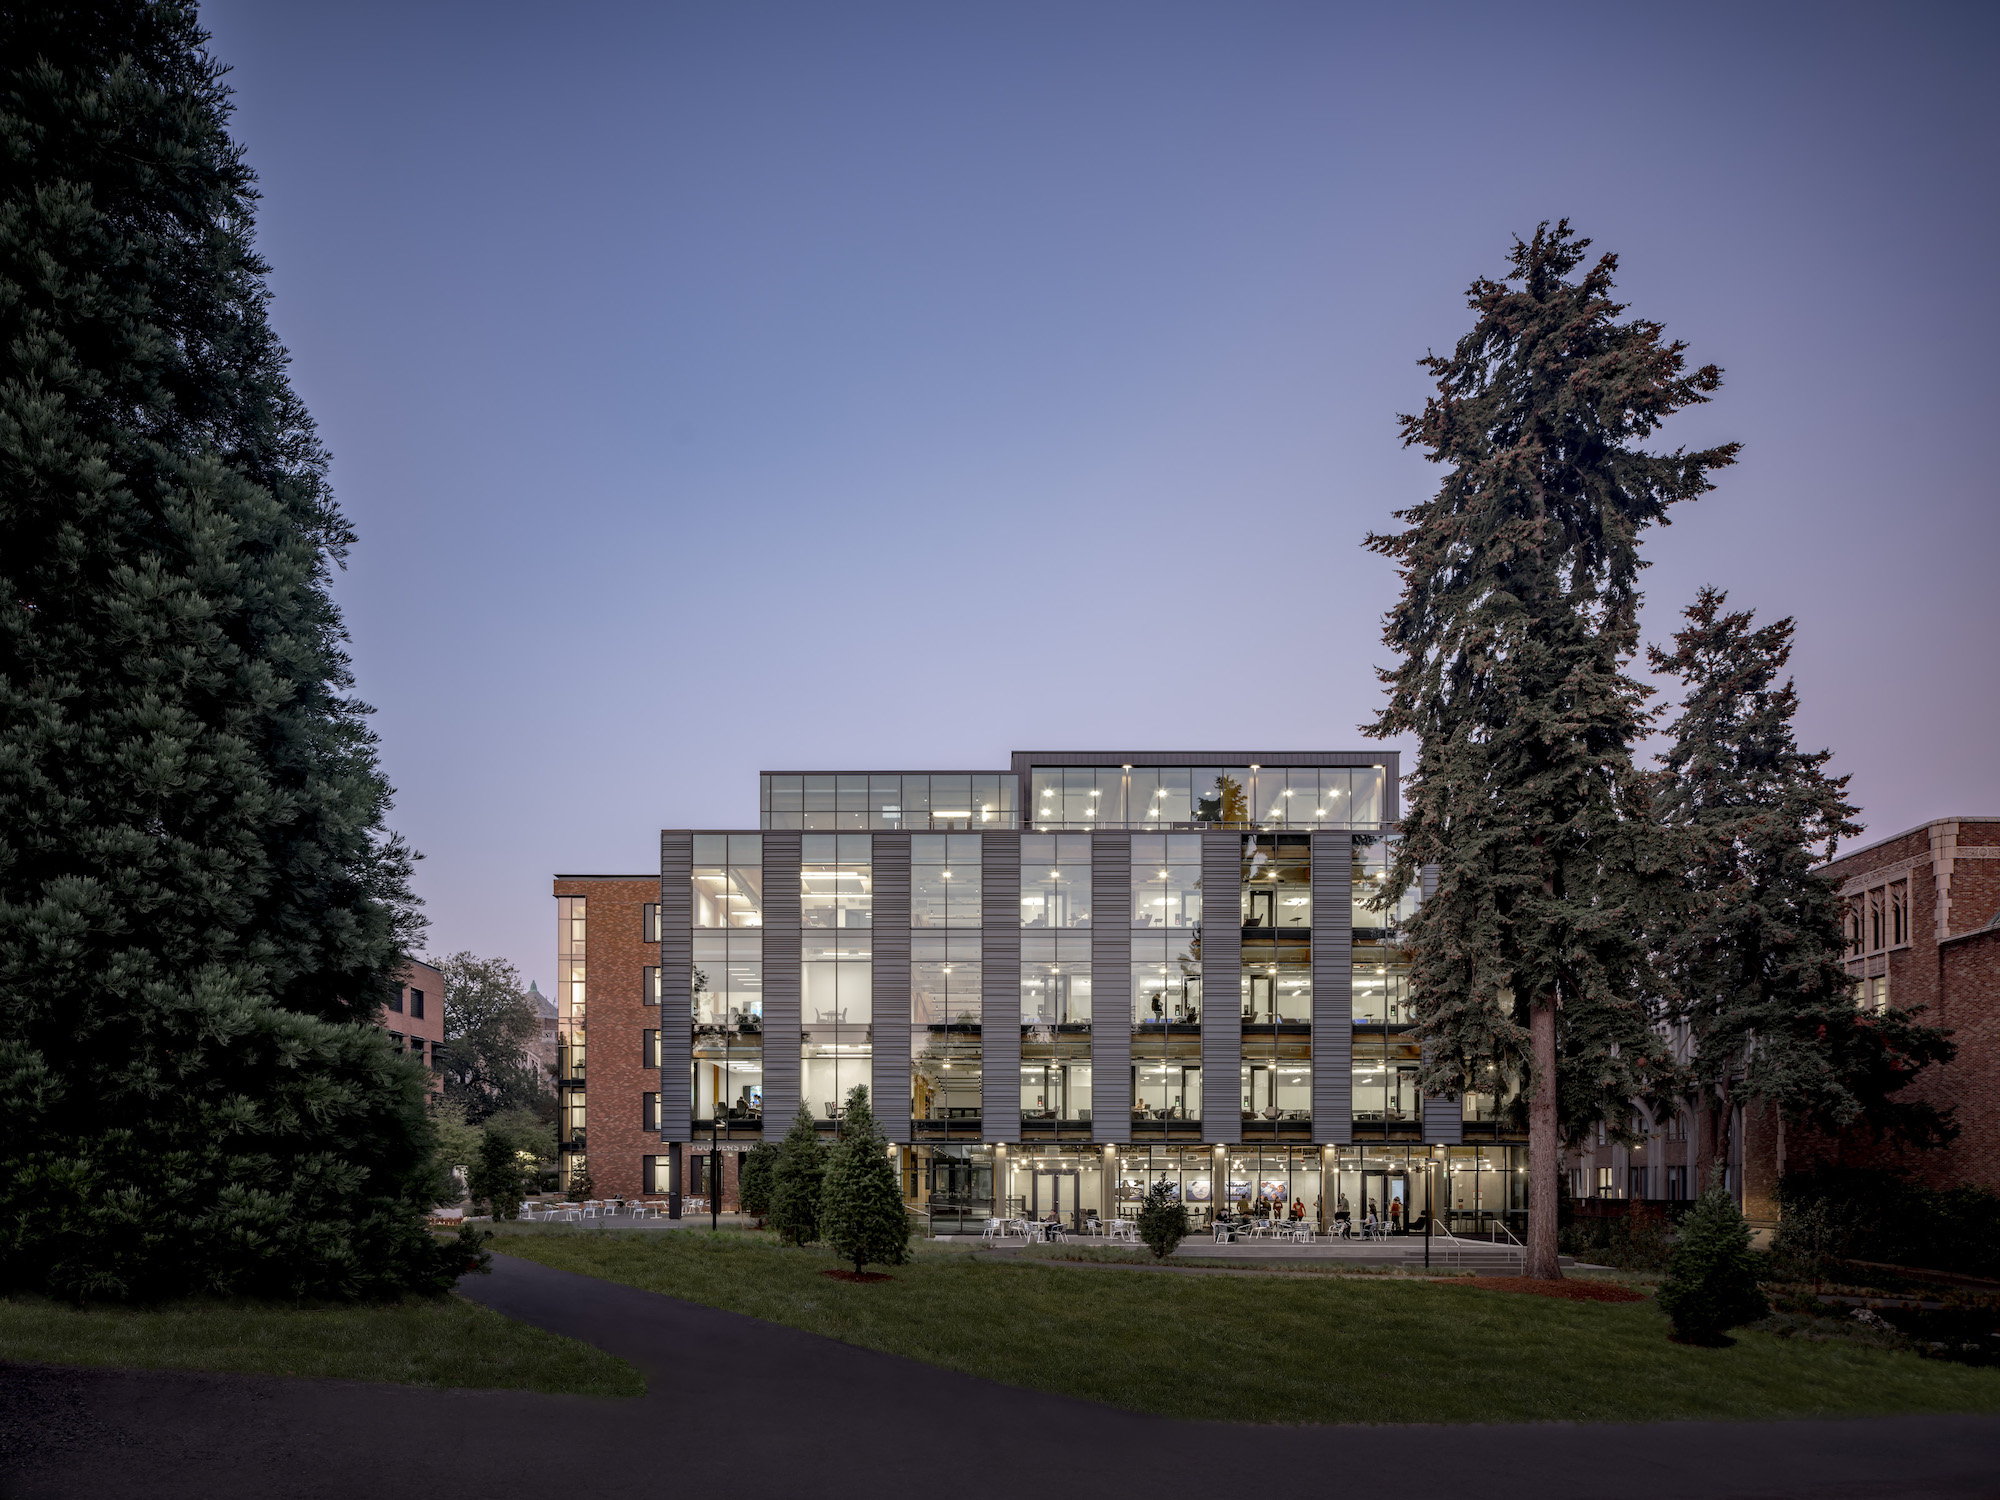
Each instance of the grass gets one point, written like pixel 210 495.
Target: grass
pixel 447 1342
pixel 1275 1349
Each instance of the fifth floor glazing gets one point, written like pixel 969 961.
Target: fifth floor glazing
pixel 1183 953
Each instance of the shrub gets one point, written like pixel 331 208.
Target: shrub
pixel 1711 1281
pixel 1883 1216
pixel 796 1182
pixel 1163 1222
pixel 861 1207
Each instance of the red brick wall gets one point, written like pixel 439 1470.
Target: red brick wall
pixel 614 955
pixel 429 1028
pixel 1957 982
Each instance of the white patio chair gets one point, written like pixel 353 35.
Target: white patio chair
pixel 993 1232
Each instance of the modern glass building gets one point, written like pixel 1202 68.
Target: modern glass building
pixel 1062 982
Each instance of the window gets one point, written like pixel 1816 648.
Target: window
pixel 728 880
pixel 1852 920
pixel 649 1049
pixel 836 887
pixel 1055 880
pixel 946 1068
pixel 1899 913
pixel 1873 994
pixel 1677 1183
pixel 649 1112
pixel 417 1004
pixel 655 1174
pixel 1166 880
pixel 1877 923
pixel 649 985
pixel 917 803
pixel 945 880
pixel 649 922
pixel 1604 1183
pixel 1635 1182
pixel 396 1001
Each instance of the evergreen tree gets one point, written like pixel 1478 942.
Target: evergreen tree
pixel 1163 1221
pixel 496 1177
pixel 492 1028
pixel 1750 948
pixel 797 1180
pixel 757 1179
pixel 200 909
pixel 861 1210
pixel 1711 1281
pixel 1517 619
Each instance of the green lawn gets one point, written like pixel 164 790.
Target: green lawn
pixel 448 1342
pixel 1274 1349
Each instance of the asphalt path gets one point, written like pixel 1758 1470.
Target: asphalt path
pixel 736 1406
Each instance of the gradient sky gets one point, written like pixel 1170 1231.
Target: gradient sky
pixel 728 386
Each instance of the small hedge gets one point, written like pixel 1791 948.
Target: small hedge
pixel 1868 1214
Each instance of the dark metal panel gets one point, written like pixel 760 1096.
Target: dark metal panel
pixel 676 982
pixel 1222 986
pixel 1444 1119
pixel 1000 986
pixel 890 1088
pixel 1333 987
pixel 1110 987
pixel 783 996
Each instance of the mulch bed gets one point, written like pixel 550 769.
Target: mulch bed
pixel 857 1276
pixel 1572 1291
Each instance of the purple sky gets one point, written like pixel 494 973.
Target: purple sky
pixel 719 387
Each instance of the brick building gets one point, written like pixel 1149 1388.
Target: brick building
pixel 415 1018
pixel 1923 930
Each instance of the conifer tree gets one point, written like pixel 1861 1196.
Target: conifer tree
pixel 1750 943
pixel 861 1211
pixel 1517 619
pixel 1163 1220
pixel 756 1179
pixel 200 909
pixel 1711 1281
pixel 797 1181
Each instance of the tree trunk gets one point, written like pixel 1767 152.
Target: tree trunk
pixel 1544 1146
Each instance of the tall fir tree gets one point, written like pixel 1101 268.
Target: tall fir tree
pixel 797 1180
pixel 1517 619
pixel 1749 952
pixel 861 1213
pixel 200 910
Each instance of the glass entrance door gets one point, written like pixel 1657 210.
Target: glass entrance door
pixel 1047 1194
pixel 1386 1195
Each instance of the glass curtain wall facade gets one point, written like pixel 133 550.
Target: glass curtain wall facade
pixel 1275 902
pixel 1166 981
pixel 727 909
pixel 947 1071
pixel 836 959
pixel 1055 986
pixel 1154 840
pixel 572 1105
pixel 1164 797
pixel 893 802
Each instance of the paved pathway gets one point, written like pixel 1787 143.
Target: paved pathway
pixel 740 1407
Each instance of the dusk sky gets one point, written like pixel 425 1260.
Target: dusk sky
pixel 724 387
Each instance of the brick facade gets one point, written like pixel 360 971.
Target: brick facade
pixel 421 987
pixel 616 956
pixel 1943 955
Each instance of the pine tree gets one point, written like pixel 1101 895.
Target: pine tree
pixel 797 1181
pixel 861 1211
pixel 1750 953
pixel 1163 1221
pixel 1517 619
pixel 1711 1281
pixel 757 1179
pixel 200 910
pixel 496 1176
